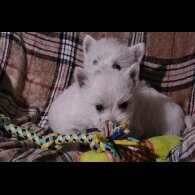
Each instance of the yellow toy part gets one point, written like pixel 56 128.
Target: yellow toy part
pixel 163 145
pixel 125 142
pixel 92 156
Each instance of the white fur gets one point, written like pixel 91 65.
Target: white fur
pixel 75 107
pixel 108 51
pixel 149 113
pixel 155 114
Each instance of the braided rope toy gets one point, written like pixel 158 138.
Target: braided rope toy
pixel 55 141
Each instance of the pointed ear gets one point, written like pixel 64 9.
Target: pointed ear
pixel 137 51
pixel 80 76
pixel 87 43
pixel 133 73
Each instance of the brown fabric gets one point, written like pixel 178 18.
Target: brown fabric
pixel 169 66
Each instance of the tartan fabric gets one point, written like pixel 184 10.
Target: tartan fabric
pixel 35 67
pixel 169 66
pixel 186 150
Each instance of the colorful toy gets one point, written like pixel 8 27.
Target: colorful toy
pixel 117 148
pixel 159 146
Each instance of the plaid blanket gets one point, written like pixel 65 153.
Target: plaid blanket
pixel 185 151
pixel 35 67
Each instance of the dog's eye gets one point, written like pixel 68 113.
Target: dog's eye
pixel 95 62
pixel 123 105
pixel 116 66
pixel 99 108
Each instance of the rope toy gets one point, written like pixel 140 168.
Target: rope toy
pixel 55 141
pixel 119 145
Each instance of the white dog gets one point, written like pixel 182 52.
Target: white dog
pixel 115 95
pixel 108 53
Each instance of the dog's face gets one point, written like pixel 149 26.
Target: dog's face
pixel 108 95
pixel 109 54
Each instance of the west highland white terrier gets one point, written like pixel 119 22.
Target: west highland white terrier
pixel 115 95
pixel 108 53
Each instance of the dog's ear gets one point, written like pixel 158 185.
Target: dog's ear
pixel 80 76
pixel 137 52
pixel 133 73
pixel 87 43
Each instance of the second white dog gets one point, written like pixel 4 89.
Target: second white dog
pixel 108 53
